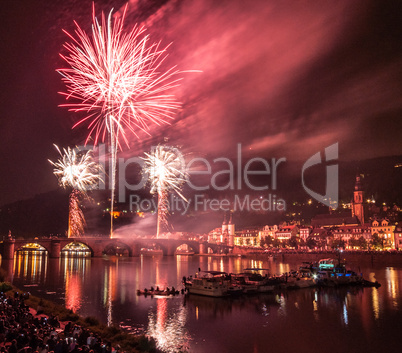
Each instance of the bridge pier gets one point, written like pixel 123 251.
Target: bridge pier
pixel 203 248
pixel 171 248
pixel 55 249
pixel 136 250
pixel 8 249
pixel 97 252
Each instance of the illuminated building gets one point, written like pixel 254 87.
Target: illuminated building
pixel 304 232
pixel 286 232
pixel 385 231
pixel 349 234
pixel 224 234
pixel 398 237
pixel 247 237
pixel 268 231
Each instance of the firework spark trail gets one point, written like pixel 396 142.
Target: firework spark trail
pixel 166 171
pixel 76 219
pixel 115 80
pixel 76 170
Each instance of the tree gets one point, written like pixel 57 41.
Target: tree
pixel 276 243
pixel 353 242
pixel 294 242
pixel 338 244
pixel 362 243
pixel 302 243
pixel 311 242
pixel 377 242
pixel 267 241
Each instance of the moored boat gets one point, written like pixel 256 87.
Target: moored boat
pixel 153 292
pixel 253 281
pixel 208 283
pixel 333 273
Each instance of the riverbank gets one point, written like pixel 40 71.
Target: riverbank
pixel 367 258
pixel 57 318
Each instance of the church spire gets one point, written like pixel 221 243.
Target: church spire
pixel 358 207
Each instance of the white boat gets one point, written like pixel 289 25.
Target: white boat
pixel 253 282
pixel 208 283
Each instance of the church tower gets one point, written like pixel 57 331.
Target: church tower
pixel 231 230
pixel 357 206
pixel 224 225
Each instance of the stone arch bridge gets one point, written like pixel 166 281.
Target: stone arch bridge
pixel 98 245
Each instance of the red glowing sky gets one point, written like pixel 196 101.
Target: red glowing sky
pixel 285 79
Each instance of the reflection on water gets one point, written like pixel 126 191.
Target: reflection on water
pixel 393 285
pixel 31 266
pixel 167 326
pixel 106 288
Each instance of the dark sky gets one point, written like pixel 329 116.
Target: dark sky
pixel 284 78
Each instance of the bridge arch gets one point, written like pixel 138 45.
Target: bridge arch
pixel 117 247
pixel 31 246
pixel 184 248
pixel 169 247
pixel 76 248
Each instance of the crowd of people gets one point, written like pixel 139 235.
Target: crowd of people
pixel 23 330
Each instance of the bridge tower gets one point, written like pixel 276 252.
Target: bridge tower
pixel 8 248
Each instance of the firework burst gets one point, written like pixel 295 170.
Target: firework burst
pixel 114 78
pixel 166 171
pixel 76 170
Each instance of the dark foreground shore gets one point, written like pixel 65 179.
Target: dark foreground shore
pixel 32 325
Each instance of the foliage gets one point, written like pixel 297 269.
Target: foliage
pixel 362 243
pixel 311 243
pixel 294 242
pixel 267 241
pixel 5 286
pixel 338 244
pixel 377 242
pixel 276 243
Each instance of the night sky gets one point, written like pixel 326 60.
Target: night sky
pixel 284 78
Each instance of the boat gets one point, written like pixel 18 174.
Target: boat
pixel 253 281
pixel 157 291
pixel 235 290
pixel 326 264
pixel 151 252
pixel 333 273
pixel 305 282
pixel 367 283
pixel 184 252
pixel 208 283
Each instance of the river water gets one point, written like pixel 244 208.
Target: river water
pixel 346 319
